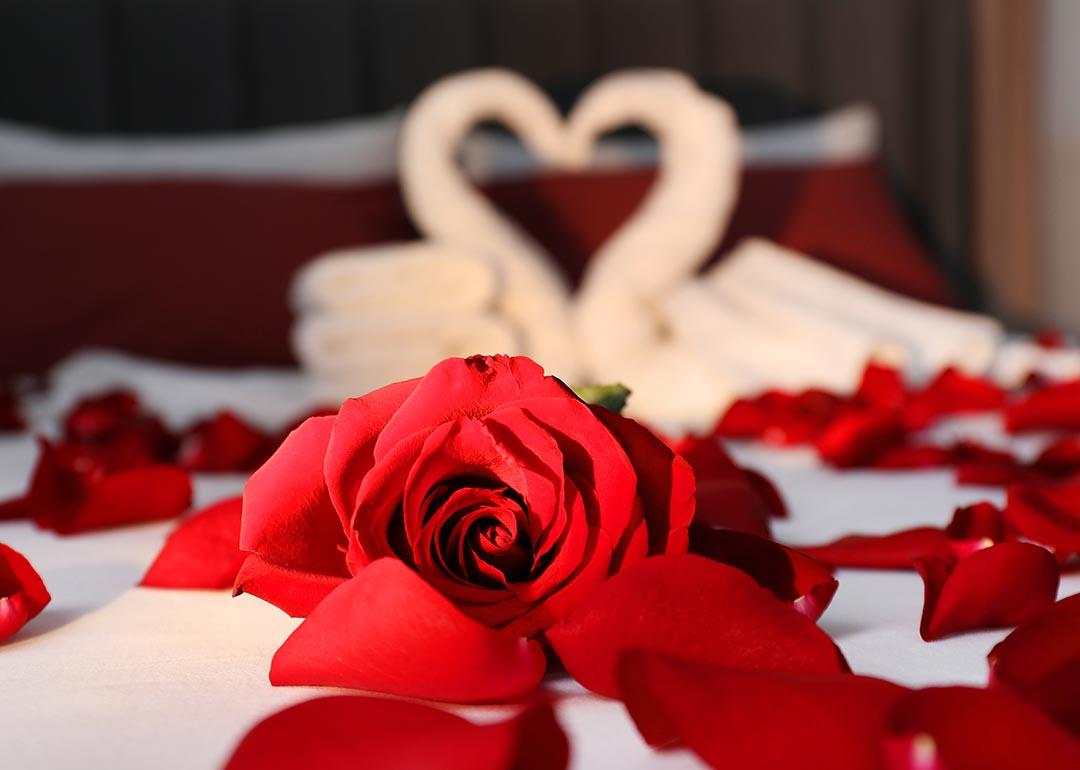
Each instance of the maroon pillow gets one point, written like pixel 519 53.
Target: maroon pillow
pixel 199 272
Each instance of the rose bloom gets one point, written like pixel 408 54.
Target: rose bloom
pixel 496 484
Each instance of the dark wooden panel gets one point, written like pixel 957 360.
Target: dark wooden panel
pixel 180 65
pixel 410 43
pixel 303 62
pixel 54 64
pixel 763 40
pixel 547 40
pixel 645 33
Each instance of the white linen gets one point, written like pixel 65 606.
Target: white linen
pixel 111 676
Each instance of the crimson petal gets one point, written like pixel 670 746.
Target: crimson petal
pixel 791 576
pixel 203 552
pixel 343 732
pixel 962 728
pixel 690 608
pixel 148 493
pixel 22 593
pixel 1040 660
pixel 998 586
pixel 858 437
pixel 1055 407
pixel 893 551
pixel 1046 515
pixel 759 720
pixel 387 630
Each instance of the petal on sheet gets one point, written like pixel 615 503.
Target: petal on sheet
pixel 295 592
pixel 1003 585
pixel 1054 407
pixel 963 728
pixel 344 732
pixel 790 575
pixel 1040 661
pixel 203 552
pixel 1046 515
pixel 755 720
pixel 22 593
pixel 897 550
pixel 147 493
pixel 388 631
pixel 858 437
pixel 690 608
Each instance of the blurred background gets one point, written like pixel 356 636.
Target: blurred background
pixel 167 165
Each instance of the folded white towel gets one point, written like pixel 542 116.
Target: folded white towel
pixel 935 337
pixel 396 278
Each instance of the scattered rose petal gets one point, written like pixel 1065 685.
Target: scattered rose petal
pixel 727 495
pixel 1046 515
pixel 962 728
pixel 115 422
pixel 790 575
pixel 690 608
pixel 387 630
pixel 952 392
pixel 224 443
pixel 779 418
pixel 979 465
pixel 22 593
pixel 858 437
pixel 759 720
pixel 203 552
pixel 898 550
pixel 881 388
pixel 343 732
pixel 1060 459
pixel 1003 585
pixel 1053 407
pixel 1040 660
pixel 913 457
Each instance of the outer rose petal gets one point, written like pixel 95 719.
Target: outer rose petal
pixel 294 592
pixel 350 452
pixel 1040 661
pixel 287 518
pixel 999 586
pixel 665 482
pixel 693 609
pixel 387 630
pixel 791 576
pixel 344 732
pixel 750 720
pixel 468 387
pixel 22 593
pixel 149 493
pixel 961 728
pixel 1046 515
pixel 203 552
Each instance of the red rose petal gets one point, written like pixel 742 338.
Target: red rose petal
pixel 149 493
pixel 1055 407
pixel 387 630
pixel 857 437
pixel 962 728
pixel 22 592
pixel 288 520
pixel 690 608
pixel 791 576
pixel 1046 515
pixel 345 732
pixel 998 586
pixel 898 550
pixel 1059 459
pixel 952 392
pixel 881 388
pixel 767 720
pixel 1040 660
pixel 223 443
pixel 203 552
pixel 295 592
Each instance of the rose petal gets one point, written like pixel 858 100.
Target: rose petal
pixel 998 586
pixel 898 550
pixel 203 552
pixel 344 732
pixel 781 418
pixel 1060 459
pixel 1046 515
pixel 791 576
pixel 149 493
pixel 692 609
pixel 857 437
pixel 223 443
pixel 1040 660
pixel 468 387
pixel 881 388
pixel 295 592
pixel 753 719
pixel 387 630
pixel 288 520
pixel 1055 407
pixel 22 592
pixel 962 728
pixel 952 392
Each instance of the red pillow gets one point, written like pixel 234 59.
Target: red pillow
pixel 199 272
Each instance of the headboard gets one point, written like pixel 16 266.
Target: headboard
pixel 182 66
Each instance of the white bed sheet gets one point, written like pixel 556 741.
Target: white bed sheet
pixel 111 676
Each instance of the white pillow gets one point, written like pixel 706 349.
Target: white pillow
pixel 365 149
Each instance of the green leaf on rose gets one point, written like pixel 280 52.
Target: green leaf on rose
pixel 611 397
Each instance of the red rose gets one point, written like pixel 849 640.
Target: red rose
pixel 496 484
